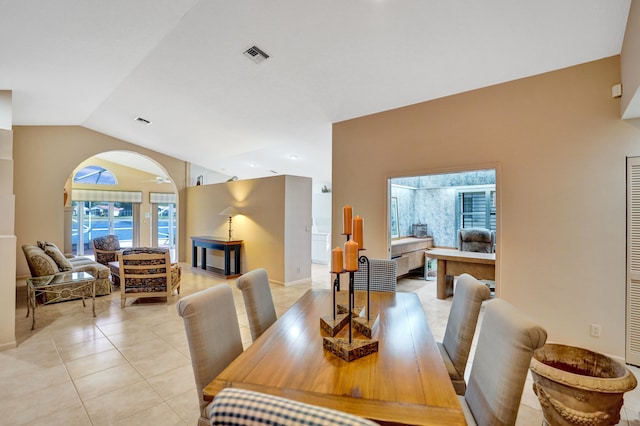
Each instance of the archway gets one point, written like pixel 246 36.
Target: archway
pixel 138 203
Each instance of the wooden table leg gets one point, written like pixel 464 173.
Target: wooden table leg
pixel 445 282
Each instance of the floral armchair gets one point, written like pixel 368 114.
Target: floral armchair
pixel 106 249
pixel 147 272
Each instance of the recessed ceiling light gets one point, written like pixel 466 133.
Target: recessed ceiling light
pixel 143 120
pixel 252 164
pixel 293 157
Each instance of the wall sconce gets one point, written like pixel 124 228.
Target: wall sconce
pixel 230 211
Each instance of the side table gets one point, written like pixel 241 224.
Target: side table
pixel 62 287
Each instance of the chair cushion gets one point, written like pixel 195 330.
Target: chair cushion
pixel 241 407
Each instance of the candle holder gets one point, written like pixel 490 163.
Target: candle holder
pixel 349 348
pixel 333 324
pixel 366 325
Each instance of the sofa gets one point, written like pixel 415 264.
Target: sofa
pixel 46 259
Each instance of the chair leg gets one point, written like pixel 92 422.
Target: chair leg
pixel 122 302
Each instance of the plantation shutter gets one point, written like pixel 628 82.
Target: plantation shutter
pixel 633 261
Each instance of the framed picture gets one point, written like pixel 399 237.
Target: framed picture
pixel 394 218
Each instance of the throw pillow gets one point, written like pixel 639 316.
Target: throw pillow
pixel 40 263
pixel 54 252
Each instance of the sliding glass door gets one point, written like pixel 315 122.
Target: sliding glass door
pixel 97 218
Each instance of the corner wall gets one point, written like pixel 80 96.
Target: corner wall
pixel 273 225
pixel 559 148
pixel 7 226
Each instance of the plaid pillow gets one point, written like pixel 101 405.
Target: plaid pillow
pixel 240 407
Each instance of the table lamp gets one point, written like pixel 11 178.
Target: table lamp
pixel 230 211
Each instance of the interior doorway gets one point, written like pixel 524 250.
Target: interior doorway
pixel 122 193
pixel 436 206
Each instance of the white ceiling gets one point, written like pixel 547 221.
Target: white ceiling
pixel 179 63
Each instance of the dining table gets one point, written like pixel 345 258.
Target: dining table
pixel 404 382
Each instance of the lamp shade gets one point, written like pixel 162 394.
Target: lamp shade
pixel 229 211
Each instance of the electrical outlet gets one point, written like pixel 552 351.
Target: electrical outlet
pixel 595 330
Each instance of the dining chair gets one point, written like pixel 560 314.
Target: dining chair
pixel 383 275
pixel 258 301
pixel 239 407
pixel 213 334
pixel 499 369
pixel 461 327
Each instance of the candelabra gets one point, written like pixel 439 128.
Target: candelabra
pixel 350 348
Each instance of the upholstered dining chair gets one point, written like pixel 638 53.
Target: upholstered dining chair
pixel 499 369
pixel 235 407
pixel 147 272
pixel 461 327
pixel 258 301
pixel 213 334
pixel 383 275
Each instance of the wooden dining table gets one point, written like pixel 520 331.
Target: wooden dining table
pixel 404 382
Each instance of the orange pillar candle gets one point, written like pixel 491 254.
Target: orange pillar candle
pixel 346 226
pixel 351 256
pixel 336 260
pixel 357 232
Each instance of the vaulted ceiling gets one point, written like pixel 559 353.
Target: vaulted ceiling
pixel 180 65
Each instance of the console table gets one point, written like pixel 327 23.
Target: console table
pixel 216 243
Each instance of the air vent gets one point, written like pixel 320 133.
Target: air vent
pixel 143 120
pixel 255 54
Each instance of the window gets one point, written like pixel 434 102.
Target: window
pixel 476 208
pixel 95 175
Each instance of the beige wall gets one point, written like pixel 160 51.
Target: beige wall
pixel 45 156
pixel 267 222
pixel 7 226
pixel 560 151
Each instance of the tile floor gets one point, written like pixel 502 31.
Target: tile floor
pixel 131 366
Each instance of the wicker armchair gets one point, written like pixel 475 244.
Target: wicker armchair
pixel 147 272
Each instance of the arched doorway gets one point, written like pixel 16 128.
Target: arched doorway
pixel 122 193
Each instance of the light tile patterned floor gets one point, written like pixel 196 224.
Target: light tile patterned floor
pixel 131 366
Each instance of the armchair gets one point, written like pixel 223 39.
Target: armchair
pixel 106 249
pixel 479 240
pixel 147 272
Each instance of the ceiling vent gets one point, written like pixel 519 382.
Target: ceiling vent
pixel 255 54
pixel 143 120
